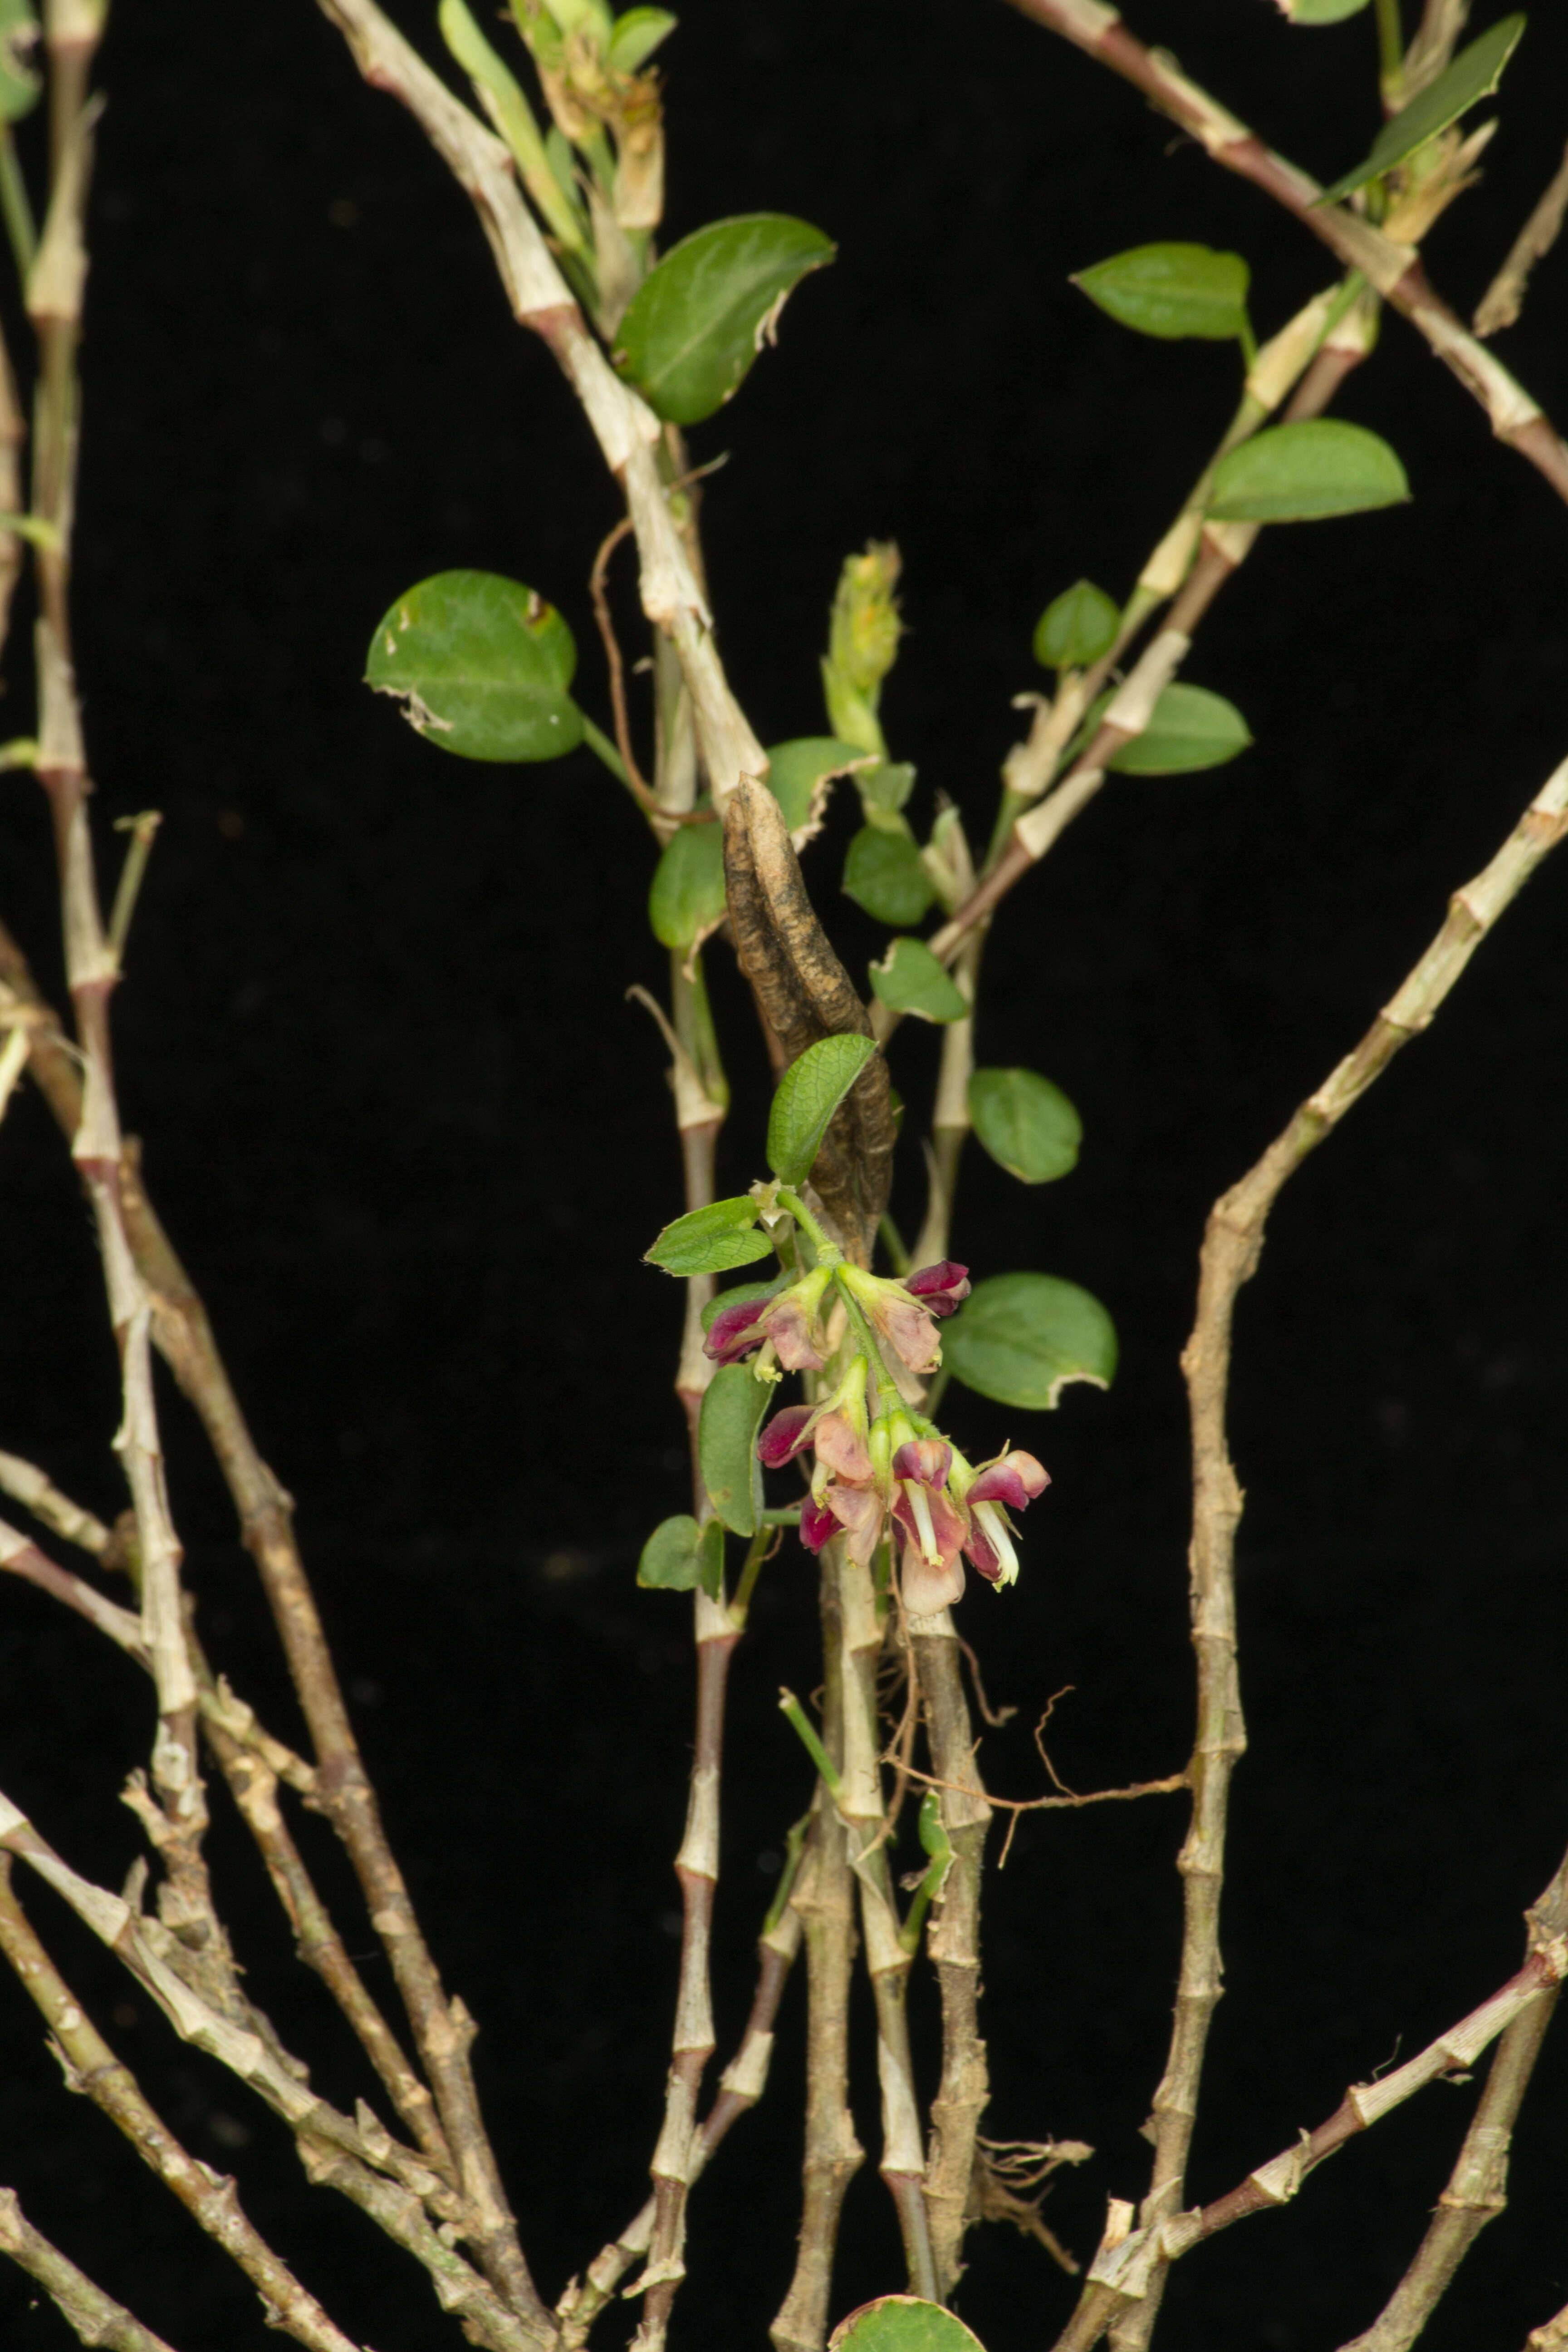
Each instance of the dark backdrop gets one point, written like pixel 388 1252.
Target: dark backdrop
pixel 411 1141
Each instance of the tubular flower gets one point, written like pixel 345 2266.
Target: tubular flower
pixel 1012 1481
pixel 932 1527
pixel 900 1313
pixel 845 1493
pixel 787 1323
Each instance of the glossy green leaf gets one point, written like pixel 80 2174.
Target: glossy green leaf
pixel 1172 290
pixel 668 1562
pixel 637 36
pixel 883 873
pixel 732 1407
pixel 1306 472
pixel 19 84
pixel 481 665
pixel 902 2323
pixel 1021 1338
pixel 707 1241
pixel 1027 1125
pixel 800 774
pixel 911 980
pixel 809 1093
pixel 1321 12
pixel 1076 627
pixel 1474 75
pixel 739 1293
pixel 1189 729
pixel 698 318
pixel 687 897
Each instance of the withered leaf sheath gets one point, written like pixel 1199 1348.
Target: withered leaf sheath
pixel 805 994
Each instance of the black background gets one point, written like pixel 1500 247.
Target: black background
pixel 411 1141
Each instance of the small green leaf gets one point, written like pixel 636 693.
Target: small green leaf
pixel 740 1294
pixel 910 979
pixel 1321 12
pixel 883 873
pixel 1172 290
pixel 686 899
pixel 707 1241
pixel 1189 729
pixel 1028 1126
pixel 19 85
pixel 1076 627
pixel 637 36
pixel 1474 75
pixel 1021 1338
pixel 481 665
pixel 809 1093
pixel 1301 473
pixel 698 318
pixel 711 1559
pixel 902 2323
pixel 886 784
pixel 727 1445
pixel 800 774
pixel 668 1562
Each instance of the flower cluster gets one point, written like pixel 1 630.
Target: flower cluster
pixel 789 1322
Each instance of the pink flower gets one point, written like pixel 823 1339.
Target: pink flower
pixel 932 1526
pixel 787 1322
pixel 941 1289
pixel 1012 1480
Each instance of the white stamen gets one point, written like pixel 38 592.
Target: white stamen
pixel 921 1505
pixel 994 1528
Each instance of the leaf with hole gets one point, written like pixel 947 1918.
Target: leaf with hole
pixel 809 1093
pixel 910 979
pixel 710 1239
pixel 1474 75
pixel 481 665
pixel 1172 291
pixel 1305 473
pixel 1189 730
pixel 883 873
pixel 1028 1126
pixel 800 774
pixel 686 900
pixel 902 2323
pixel 637 36
pixel 1076 627
pixel 700 318
pixel 732 1406
pixel 1020 1339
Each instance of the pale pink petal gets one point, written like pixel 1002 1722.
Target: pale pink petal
pixel 839 1446
pixel 928 1589
pixel 791 1335
pixel 910 1333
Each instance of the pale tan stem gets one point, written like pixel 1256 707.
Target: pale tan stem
pixel 28 1485
pixel 19 1556
pixel 1552 2336
pixel 1503 301
pixel 954 1943
pixel 95 2317
pixel 950 1120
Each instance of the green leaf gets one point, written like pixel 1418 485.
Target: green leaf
pixel 902 2323
pixel 886 784
pixel 1172 290
pixel 1076 627
pixel 19 85
pixel 706 1241
pixel 911 980
pixel 739 1294
pixel 883 873
pixel 1321 12
pixel 1474 75
pixel 698 318
pixel 1027 1125
pixel 687 897
pixel 637 36
pixel 711 1559
pixel 809 1093
pixel 800 772
pixel 668 1562
pixel 1189 729
pixel 1021 1338
pixel 727 1445
pixel 1301 473
pixel 481 665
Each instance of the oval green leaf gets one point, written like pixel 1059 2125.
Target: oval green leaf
pixel 698 318
pixel 19 85
pixel 1172 290
pixel 637 36
pixel 1076 627
pixel 800 774
pixel 902 2323
pixel 911 980
pixel 686 896
pixel 1306 472
pixel 883 873
pixel 809 1093
pixel 1474 75
pixel 1028 1126
pixel 1190 729
pixel 710 1239
pixel 1021 1338
pixel 481 665
pixel 727 1445
pixel 668 1562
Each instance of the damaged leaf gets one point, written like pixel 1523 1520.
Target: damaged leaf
pixel 481 665
pixel 699 319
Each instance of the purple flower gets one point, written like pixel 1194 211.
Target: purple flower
pixel 941 1289
pixel 787 1322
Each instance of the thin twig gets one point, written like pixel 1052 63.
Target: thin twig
pixel 28 1485
pixel 1503 301
pixel 596 590
pixel 95 2316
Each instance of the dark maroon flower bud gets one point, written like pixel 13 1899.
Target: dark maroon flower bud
pixel 736 1331
pixel 940 1289
pixel 928 1459
pixel 817 1524
pixel 787 1435
pixel 1015 1480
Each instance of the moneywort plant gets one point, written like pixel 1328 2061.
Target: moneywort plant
pixel 813 1386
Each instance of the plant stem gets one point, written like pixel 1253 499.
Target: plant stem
pixel 1390 54
pixel 94 2317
